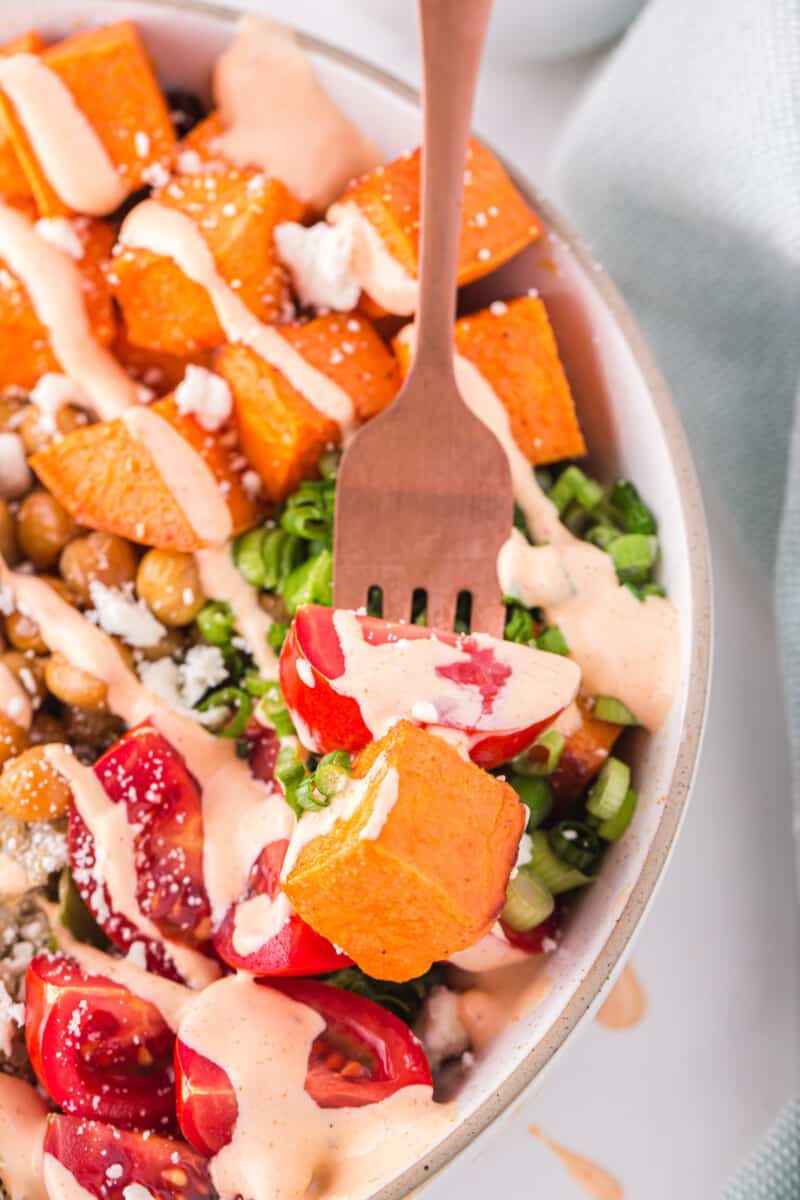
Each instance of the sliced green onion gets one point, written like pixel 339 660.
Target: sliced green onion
pixel 602 535
pixel 310 583
pixel 272 711
pixel 291 774
pixel 216 622
pixel 554 873
pixel 281 552
pixel 255 684
pixel 571 485
pixel 609 789
pixel 333 773
pixel 248 556
pixel 608 708
pixel 543 756
pixel 519 623
pixel 307 521
pixel 612 829
pixel 553 641
pixel 634 556
pixel 233 698
pixel 308 798
pixel 534 792
pixel 528 902
pixel 75 915
pixel 277 635
pixel 635 515
pixel 575 843
pixel 576 519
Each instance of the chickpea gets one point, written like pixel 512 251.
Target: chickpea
pixel 38 431
pixel 8 534
pixel 97 556
pixel 43 529
pixel 31 789
pixel 23 632
pixel 94 729
pixel 12 409
pixel 29 670
pixel 169 582
pixel 71 685
pixel 13 739
pixel 46 728
pixel 171 645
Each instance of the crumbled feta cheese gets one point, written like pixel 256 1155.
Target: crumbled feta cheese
pixel 141 142
pixel 12 1016
pixel 15 474
pixel 206 396
pixel 156 174
pixel 425 712
pixel 189 162
pixel 52 392
pixel 116 612
pixel 135 1191
pixel 439 1026
pixel 137 955
pixel 251 484
pixel 6 600
pixel 319 260
pixel 498 307
pixel 62 234
pixel 114 1171
pixel 203 668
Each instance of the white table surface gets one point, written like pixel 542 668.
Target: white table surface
pixel 671 1107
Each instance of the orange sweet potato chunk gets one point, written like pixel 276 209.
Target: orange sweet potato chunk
pixel 280 432
pixel 513 347
pixel 236 213
pixel 111 80
pixel 106 479
pixel 25 352
pixel 157 370
pixel 585 751
pixel 497 222
pixel 13 180
pixel 347 349
pixel 423 876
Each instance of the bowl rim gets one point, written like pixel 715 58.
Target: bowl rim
pixel 610 958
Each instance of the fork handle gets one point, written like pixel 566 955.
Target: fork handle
pixel 453 33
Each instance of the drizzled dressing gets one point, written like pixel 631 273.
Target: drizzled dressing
pixel 23 1116
pixel 624 647
pixel 380 274
pixel 594 1180
pixel 70 153
pixel 15 703
pixel 222 581
pixel 55 287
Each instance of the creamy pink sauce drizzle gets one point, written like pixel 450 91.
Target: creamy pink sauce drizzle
pixel 624 648
pixel 73 158
pixel 401 679
pixel 494 999
pixel 308 142
pixel 625 1005
pixel 15 703
pixel 222 581
pixel 171 234
pixel 377 270
pixel 55 286
pixel 185 473
pixel 23 1117
pixel 593 1179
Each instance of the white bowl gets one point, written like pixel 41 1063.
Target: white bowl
pixel 631 428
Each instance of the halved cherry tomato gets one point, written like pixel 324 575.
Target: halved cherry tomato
pixel 163 802
pixel 312 657
pixel 295 949
pixel 97 1049
pixel 363 1055
pixel 107 1161
pixel 533 941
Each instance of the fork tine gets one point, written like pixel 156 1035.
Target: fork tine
pixel 487 614
pixel 396 600
pixel 441 608
pixel 352 590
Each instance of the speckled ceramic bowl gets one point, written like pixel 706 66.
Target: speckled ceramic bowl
pixel 631 427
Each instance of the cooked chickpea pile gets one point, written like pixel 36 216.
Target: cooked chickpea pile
pixel 70 705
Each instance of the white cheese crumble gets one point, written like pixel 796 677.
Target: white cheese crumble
pixel 117 613
pixel 62 234
pixel 319 260
pixel 12 1016
pixel 439 1026
pixel 15 474
pixel 206 396
pixel 52 392
pixel 141 142
pixel 182 684
pixel 156 174
pixel 424 712
pixel 136 1191
pixel 203 668
pixel 189 162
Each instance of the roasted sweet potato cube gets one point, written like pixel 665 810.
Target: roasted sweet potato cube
pixel 587 746
pixel 25 352
pixel 497 222
pixel 236 213
pixel 155 369
pixel 111 81
pixel 198 150
pixel 347 348
pixel 513 347
pixel 418 868
pixel 13 180
pixel 106 479
pixel 280 432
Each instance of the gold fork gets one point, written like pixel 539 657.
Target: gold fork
pixel 424 495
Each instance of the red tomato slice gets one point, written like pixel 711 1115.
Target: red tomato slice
pixel 296 949
pixel 97 1049
pixel 363 1055
pixel 312 656
pixel 106 1161
pixel 533 941
pixel 145 773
